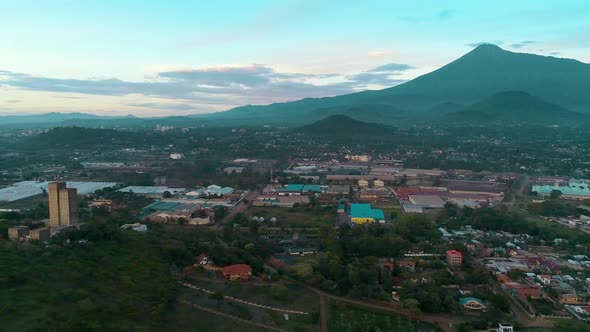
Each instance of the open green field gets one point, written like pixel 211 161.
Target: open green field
pixel 348 318
pixel 303 216
pixel 291 297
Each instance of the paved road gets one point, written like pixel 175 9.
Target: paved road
pixel 242 205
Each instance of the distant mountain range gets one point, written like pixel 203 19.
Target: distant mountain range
pixel 55 117
pixel 488 83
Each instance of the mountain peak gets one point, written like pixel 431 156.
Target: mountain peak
pixel 487 49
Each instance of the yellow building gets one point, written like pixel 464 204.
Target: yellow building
pixel 570 299
pixel 63 205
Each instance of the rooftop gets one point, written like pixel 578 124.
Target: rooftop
pixel 359 210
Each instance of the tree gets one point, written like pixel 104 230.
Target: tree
pixel 555 194
pixel 166 194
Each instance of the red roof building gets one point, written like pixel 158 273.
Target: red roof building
pixel 237 271
pixel 454 258
pixel 203 259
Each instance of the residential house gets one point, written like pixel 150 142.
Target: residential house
pixel 454 258
pixel 237 271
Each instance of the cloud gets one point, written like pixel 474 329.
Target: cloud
pixel 555 53
pixel 392 68
pixel 199 88
pixel 162 106
pixel 439 16
pixel 476 44
pixel 14 101
pixel 369 78
pixel 253 75
pixel 522 44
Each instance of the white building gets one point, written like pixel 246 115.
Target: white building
pixel 176 156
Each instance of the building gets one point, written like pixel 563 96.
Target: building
pixel 571 298
pixel 42 234
pixel 505 328
pixel 378 183
pixel 203 259
pixel 412 208
pixel 363 183
pixel 427 201
pixel 362 213
pixel 472 303
pixel 454 258
pixel 365 158
pixel 573 189
pixel 176 156
pixel 18 232
pixel 63 205
pixel 234 170
pixel 237 271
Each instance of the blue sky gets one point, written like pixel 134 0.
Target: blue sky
pixel 152 58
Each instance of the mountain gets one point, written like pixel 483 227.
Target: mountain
pixel 76 137
pixel 484 71
pixel 514 106
pixel 344 126
pixel 55 117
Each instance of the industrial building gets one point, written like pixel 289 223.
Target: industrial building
pixel 362 213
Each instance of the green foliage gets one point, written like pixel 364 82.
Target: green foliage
pixel 118 281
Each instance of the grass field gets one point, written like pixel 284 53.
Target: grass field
pixel 304 216
pixel 294 298
pixel 348 318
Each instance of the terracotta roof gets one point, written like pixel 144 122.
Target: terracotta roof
pixel 454 253
pixel 236 269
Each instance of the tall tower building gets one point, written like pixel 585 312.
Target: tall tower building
pixel 63 205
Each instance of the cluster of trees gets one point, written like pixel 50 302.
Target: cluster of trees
pixel 117 281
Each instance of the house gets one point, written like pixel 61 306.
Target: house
pixel 203 259
pixel 570 298
pixel 502 278
pixel 302 251
pixel 363 183
pixel 528 291
pixel 545 279
pixel 454 258
pixel 341 209
pixel 472 303
pixel 408 265
pixel 237 271
pixel 378 183
pixel 362 213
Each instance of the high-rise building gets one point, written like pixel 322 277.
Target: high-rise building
pixel 63 205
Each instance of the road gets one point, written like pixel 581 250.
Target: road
pixel 323 314
pixel 219 313
pixel 242 206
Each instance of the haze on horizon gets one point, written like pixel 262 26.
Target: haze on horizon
pixel 155 58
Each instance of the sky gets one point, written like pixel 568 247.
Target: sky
pixel 160 58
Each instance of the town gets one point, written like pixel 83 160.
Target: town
pixel 303 243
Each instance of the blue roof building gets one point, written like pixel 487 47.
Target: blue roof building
pixel 362 213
